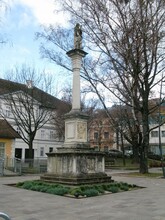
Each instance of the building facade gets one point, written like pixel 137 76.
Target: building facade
pixel 45 139
pixel 101 134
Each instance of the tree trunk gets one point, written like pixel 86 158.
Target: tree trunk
pixel 122 148
pixel 135 149
pixel 30 150
pixel 145 143
pixel 143 159
pixel 31 154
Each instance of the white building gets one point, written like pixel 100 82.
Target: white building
pixel 155 140
pixel 45 139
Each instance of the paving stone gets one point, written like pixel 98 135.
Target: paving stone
pixel 142 204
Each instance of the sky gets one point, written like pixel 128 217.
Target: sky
pixel 19 24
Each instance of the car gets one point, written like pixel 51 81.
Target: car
pixel 115 153
pixel 153 156
pixel 128 153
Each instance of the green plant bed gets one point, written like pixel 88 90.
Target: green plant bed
pixel 155 163
pixel 82 191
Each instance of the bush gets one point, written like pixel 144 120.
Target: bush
pixel 27 185
pixel 61 191
pixel 84 190
pixel 106 186
pixel 57 191
pixel 19 184
pixel 113 189
pixel 124 187
pixel 76 192
pixel 90 192
pixel 44 189
pixel 85 187
pixel 153 156
pixel 99 188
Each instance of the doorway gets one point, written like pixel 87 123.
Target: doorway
pixel 18 153
pixel 27 154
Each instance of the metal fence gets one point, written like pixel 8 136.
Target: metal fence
pixel 36 165
pixel 1 166
pixel 20 166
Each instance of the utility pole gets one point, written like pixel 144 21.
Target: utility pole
pixel 160 143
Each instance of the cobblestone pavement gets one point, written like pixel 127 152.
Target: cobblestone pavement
pixel 144 204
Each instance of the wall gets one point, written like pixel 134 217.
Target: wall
pixel 9 143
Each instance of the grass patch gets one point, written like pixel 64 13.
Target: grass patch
pixel 119 164
pixel 81 191
pixel 149 175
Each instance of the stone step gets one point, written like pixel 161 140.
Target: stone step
pixel 76 180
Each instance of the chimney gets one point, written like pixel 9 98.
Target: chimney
pixel 29 84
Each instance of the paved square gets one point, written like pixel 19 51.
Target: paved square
pixel 143 204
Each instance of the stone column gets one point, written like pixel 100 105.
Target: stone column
pixel 75 120
pixel 76 56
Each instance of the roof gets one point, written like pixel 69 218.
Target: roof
pixel 7 131
pixel 44 98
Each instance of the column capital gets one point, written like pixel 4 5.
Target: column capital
pixel 75 52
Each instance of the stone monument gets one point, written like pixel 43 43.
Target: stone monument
pixel 76 162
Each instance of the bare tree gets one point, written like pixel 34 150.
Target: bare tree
pixel 127 41
pixel 30 106
pixel 24 74
pixel 4 7
pixel 88 106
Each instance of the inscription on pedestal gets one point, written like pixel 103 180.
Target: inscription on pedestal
pixel 70 131
pixel 81 130
pixel 81 165
pixel 91 165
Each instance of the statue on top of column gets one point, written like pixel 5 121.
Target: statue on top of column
pixel 77 37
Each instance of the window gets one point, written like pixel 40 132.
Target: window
pixel 163 133
pixel 37 113
pixel 41 151
pixel 96 135
pixel 154 133
pixel 52 135
pixel 42 134
pixel 50 149
pixel 2 150
pixel 8 111
pixel 18 130
pixel 106 135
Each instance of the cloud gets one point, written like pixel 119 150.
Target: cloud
pixel 45 11
pixel 25 20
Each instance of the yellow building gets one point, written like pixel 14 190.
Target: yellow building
pixel 7 139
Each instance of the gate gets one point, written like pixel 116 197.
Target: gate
pixel 1 166
pixel 17 166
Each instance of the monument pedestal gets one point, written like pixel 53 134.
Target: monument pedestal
pixel 76 166
pixel 76 163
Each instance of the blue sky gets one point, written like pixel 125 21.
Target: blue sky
pixel 19 24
